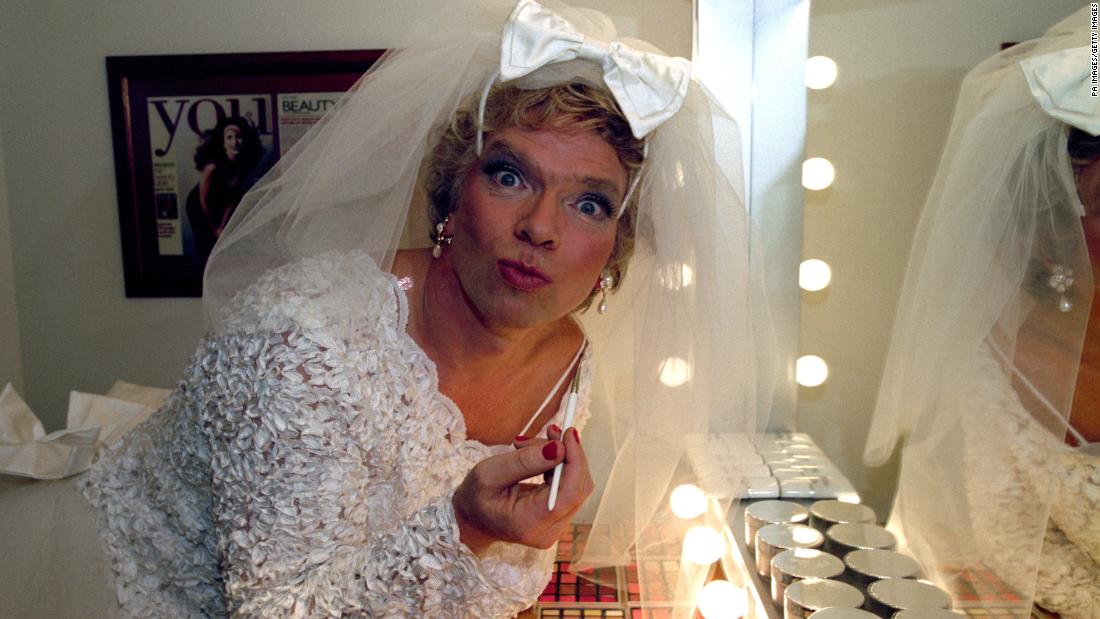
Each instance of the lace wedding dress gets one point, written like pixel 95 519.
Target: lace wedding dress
pixel 304 467
pixel 1068 578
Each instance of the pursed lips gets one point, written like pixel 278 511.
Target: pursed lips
pixel 522 276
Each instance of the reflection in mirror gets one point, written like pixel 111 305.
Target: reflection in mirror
pixel 883 125
pixel 982 363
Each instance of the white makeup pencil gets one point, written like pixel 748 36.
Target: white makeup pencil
pixel 570 409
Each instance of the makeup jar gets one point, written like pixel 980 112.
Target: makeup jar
pixel 804 597
pixel 867 566
pixel 838 612
pixel 755 470
pixel 798 564
pixel 928 613
pixel 773 539
pixel 760 488
pixel 792 471
pixel 886 597
pixel 761 513
pixel 815 487
pixel 824 514
pixel 840 539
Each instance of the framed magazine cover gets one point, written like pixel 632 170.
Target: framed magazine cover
pixel 192 133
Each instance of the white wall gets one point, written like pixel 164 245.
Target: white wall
pixel 11 363
pixel 78 330
pixel 883 125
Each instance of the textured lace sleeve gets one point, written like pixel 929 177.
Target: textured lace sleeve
pixel 309 517
pixel 332 479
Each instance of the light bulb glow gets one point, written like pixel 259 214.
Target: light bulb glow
pixel 817 173
pixel 721 599
pixel 687 501
pixel 675 276
pixel 810 371
pixel 814 275
pixel 703 545
pixel 675 371
pixel 821 72
pixel 806 535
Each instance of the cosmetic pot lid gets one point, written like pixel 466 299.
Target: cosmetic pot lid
pixel 928 613
pixel 808 563
pixel 839 612
pixel 818 593
pixel 878 563
pixel 838 511
pixel 790 536
pixel 902 593
pixel 777 511
pixel 859 535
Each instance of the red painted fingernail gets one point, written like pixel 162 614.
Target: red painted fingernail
pixel 520 438
pixel 555 427
pixel 576 435
pixel 550 451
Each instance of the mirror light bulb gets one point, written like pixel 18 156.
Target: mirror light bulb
pixel 806 535
pixel 703 545
pixel 675 276
pixel 848 497
pixel 814 275
pixel 675 371
pixel 720 599
pixel 810 371
pixel 687 501
pixel 820 72
pixel 817 173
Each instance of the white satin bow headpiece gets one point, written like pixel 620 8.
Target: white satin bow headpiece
pixel 1061 83
pixel 648 87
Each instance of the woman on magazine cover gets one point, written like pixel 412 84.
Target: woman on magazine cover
pixel 227 159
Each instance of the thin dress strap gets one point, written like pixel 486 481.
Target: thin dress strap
pixel 557 385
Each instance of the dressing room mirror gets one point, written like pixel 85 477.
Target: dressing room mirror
pixel 882 124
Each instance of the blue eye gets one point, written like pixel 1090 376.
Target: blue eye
pixel 504 175
pixel 594 206
pixel 588 207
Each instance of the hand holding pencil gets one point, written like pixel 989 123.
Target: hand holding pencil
pixel 493 504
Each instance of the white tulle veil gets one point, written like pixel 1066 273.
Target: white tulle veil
pixel 686 345
pixel 987 340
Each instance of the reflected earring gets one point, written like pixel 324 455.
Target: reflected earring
pixel 1061 281
pixel 607 280
pixel 439 238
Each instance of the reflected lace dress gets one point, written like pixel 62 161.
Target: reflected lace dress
pixel 304 467
pixel 1067 576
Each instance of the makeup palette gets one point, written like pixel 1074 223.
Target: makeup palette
pixel 606 593
pixel 982 594
pixel 582 613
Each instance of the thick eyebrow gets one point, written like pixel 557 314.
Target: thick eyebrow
pixel 501 148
